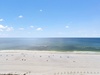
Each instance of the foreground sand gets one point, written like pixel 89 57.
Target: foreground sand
pixel 49 63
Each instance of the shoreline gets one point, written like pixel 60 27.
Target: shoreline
pixel 53 51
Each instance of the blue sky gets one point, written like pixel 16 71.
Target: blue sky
pixel 49 18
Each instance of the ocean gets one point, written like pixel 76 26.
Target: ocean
pixel 49 44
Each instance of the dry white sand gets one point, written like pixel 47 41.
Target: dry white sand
pixel 49 63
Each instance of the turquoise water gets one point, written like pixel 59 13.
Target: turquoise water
pixel 58 44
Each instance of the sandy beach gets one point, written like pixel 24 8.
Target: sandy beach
pixel 48 63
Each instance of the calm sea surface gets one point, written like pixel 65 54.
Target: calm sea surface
pixel 58 44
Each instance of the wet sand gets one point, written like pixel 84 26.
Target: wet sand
pixel 48 63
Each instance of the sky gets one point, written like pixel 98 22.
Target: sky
pixel 49 18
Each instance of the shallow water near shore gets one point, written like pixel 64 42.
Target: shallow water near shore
pixel 50 44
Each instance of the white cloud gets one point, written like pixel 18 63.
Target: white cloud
pixel 5 28
pixel 9 29
pixel 21 28
pixel 39 29
pixel 2 27
pixel 20 16
pixel 67 26
pixel 1 20
pixel 31 26
pixel 41 10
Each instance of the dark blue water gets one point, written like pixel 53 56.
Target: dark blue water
pixel 58 44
